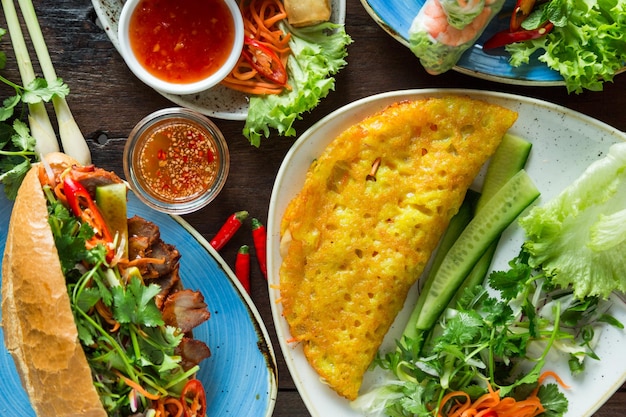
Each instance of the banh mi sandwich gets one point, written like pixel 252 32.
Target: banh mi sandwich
pixel 369 215
pixel 93 310
pixel 444 29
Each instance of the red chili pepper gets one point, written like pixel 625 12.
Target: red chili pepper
pixel 259 236
pixel 520 13
pixel 82 206
pixel 193 399
pixel 505 37
pixel 264 60
pixel 242 267
pixel 490 413
pixel 228 229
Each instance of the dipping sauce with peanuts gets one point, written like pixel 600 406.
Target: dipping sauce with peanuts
pixel 176 161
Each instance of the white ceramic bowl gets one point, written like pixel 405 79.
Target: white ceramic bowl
pixel 178 88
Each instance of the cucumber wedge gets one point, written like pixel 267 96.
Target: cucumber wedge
pixel 111 200
pixel 495 216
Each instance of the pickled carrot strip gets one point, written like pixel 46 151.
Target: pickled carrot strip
pixel 261 18
pixel 491 402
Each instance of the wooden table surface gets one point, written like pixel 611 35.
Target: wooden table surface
pixel 107 101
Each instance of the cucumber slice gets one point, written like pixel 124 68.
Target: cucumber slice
pixel 111 200
pixel 497 214
pixel 456 226
pixel 509 158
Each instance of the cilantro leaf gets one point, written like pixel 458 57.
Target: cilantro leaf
pixel 88 298
pixel 22 139
pixel 8 107
pixel 40 90
pixel 135 303
pixel 12 179
pixel 512 282
pixel 553 400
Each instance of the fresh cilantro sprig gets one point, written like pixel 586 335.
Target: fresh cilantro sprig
pixel 141 347
pixel 17 146
pixel 486 337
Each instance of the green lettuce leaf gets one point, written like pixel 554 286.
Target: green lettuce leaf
pixel 588 43
pixel 317 53
pixel 579 237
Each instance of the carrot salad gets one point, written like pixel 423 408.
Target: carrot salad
pixel 261 19
pixel 491 405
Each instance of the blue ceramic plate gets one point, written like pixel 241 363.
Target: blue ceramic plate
pixel 240 377
pixel 396 16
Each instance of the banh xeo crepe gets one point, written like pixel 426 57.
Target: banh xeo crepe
pixel 444 29
pixel 372 209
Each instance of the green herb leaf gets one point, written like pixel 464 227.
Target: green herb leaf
pixel 553 400
pixel 135 303
pixel 40 90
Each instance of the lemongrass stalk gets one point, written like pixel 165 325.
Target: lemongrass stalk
pixel 40 126
pixel 71 137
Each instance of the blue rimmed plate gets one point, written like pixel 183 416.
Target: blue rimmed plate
pixel 240 377
pixel 396 16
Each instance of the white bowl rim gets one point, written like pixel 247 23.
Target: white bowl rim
pixel 179 88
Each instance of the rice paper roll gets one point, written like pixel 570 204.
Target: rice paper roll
pixel 461 12
pixel 307 12
pixel 438 44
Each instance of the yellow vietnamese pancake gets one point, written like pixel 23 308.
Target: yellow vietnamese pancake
pixel 371 212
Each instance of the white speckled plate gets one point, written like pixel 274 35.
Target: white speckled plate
pixel 240 377
pixel 564 144
pixel 219 101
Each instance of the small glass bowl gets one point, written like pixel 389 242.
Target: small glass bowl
pixel 176 160
pixel 179 88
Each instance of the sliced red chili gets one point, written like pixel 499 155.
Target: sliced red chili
pixel 193 399
pixel 490 413
pixel 520 13
pixel 506 37
pixel 264 60
pixel 242 267
pixel 84 207
pixel 259 237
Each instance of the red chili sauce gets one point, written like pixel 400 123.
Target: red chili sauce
pixel 181 41
pixel 179 161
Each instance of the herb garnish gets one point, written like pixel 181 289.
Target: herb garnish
pixel 488 337
pixel 17 146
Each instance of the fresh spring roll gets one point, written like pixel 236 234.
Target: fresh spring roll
pixel 437 43
pixel 461 12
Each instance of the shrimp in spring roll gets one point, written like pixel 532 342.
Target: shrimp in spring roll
pixel 444 29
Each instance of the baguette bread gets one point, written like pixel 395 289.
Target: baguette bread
pixel 49 359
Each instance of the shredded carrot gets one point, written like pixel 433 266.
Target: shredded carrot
pixel 143 261
pixel 261 18
pixel 168 407
pixel 106 314
pixel 141 390
pixel 551 374
pixel 463 406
